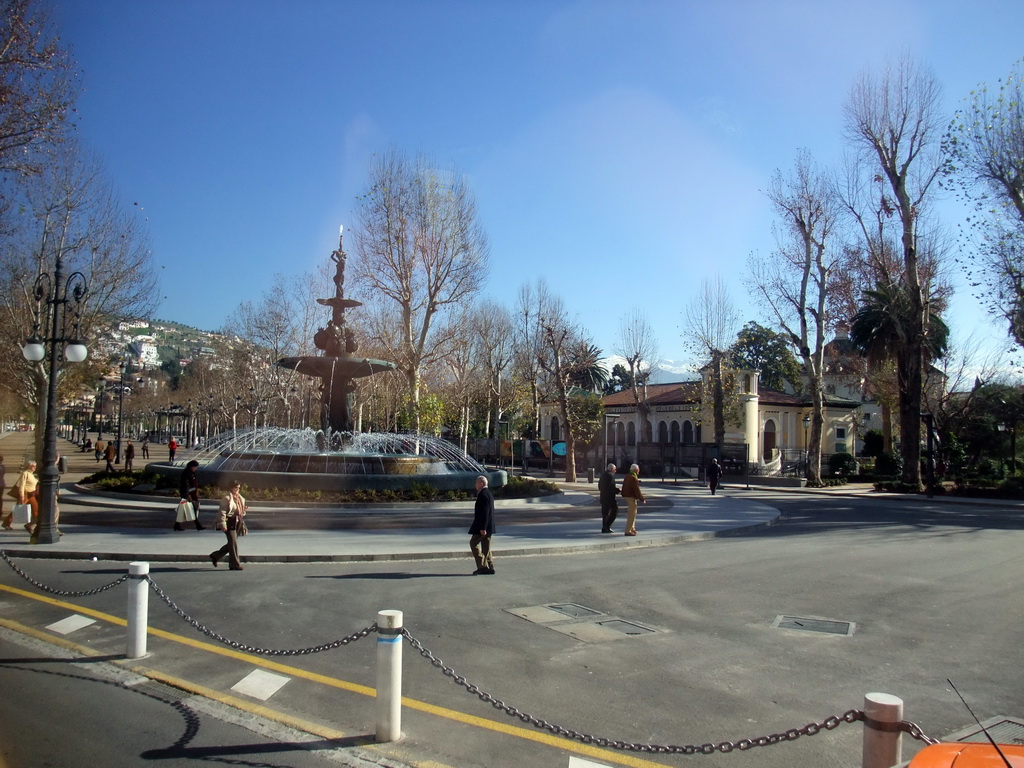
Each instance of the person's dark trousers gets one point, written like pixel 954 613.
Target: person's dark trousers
pixel 481 548
pixel 714 485
pixel 231 550
pixel 609 511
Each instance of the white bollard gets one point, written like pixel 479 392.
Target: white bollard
pixel 882 738
pixel 138 610
pixel 389 675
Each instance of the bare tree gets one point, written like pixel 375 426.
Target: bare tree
pixel 71 214
pixel 985 142
pixel 710 325
pixel 421 250
pixel 494 334
pixel 531 308
pixel 894 122
pixel 559 338
pixel 36 85
pixel 797 282
pixel 638 345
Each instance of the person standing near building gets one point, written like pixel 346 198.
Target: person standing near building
pixel 129 456
pixel 232 522
pixel 145 447
pixel 632 494
pixel 714 475
pixel 172 448
pixel 482 528
pixel 608 491
pixel 188 487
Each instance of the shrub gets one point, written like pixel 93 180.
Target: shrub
pixel 889 465
pixel 842 465
pixel 524 487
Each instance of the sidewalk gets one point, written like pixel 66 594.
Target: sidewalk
pixel 682 513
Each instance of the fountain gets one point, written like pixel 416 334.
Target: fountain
pixel 335 457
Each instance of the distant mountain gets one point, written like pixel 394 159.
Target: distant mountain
pixel 664 372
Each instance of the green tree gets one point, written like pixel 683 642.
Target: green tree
pixel 619 381
pixel 764 350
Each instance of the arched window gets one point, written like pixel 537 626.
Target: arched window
pixel 696 437
pixel 675 432
pixel 554 429
pixel 770 438
pixel 687 432
pixel 620 433
pixel 662 432
pixel 631 433
pixel 746 382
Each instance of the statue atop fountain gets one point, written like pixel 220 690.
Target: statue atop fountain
pixel 337 367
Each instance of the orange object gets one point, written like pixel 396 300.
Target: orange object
pixel 968 755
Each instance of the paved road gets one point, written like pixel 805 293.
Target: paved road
pixel 932 589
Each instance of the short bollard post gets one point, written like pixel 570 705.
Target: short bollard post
pixel 138 610
pixel 883 714
pixel 389 675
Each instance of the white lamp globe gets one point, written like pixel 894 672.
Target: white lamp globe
pixel 76 352
pixel 33 350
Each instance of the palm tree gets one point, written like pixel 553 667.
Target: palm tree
pixel 587 372
pixel 879 330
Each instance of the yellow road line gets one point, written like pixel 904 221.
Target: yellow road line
pixel 449 714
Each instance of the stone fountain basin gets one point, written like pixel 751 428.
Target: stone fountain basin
pixel 324 473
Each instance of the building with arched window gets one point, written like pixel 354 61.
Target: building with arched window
pixel 764 427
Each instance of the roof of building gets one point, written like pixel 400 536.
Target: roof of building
pixel 689 392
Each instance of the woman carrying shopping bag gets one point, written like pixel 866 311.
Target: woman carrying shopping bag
pixel 26 491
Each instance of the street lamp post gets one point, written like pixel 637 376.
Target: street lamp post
pixel 807 448
pixel 120 411
pixel 56 294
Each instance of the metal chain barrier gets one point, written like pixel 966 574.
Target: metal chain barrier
pixel 253 649
pixel 61 592
pixel 913 730
pixel 811 729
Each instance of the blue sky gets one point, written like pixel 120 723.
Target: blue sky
pixel 616 149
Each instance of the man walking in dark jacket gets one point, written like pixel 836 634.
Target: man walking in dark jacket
pixel 608 491
pixel 482 528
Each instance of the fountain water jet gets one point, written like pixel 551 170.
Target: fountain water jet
pixel 334 457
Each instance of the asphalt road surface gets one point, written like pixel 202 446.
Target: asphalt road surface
pixel 930 590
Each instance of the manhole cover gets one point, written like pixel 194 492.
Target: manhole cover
pixel 573 610
pixel 826 626
pixel 625 627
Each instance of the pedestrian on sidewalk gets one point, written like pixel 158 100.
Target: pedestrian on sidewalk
pixel 482 528
pixel 188 486
pixel 110 453
pixel 608 491
pixel 172 448
pixel 129 456
pixel 232 522
pixel 26 491
pixel 632 494
pixel 98 450
pixel 145 447
pixel 714 475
